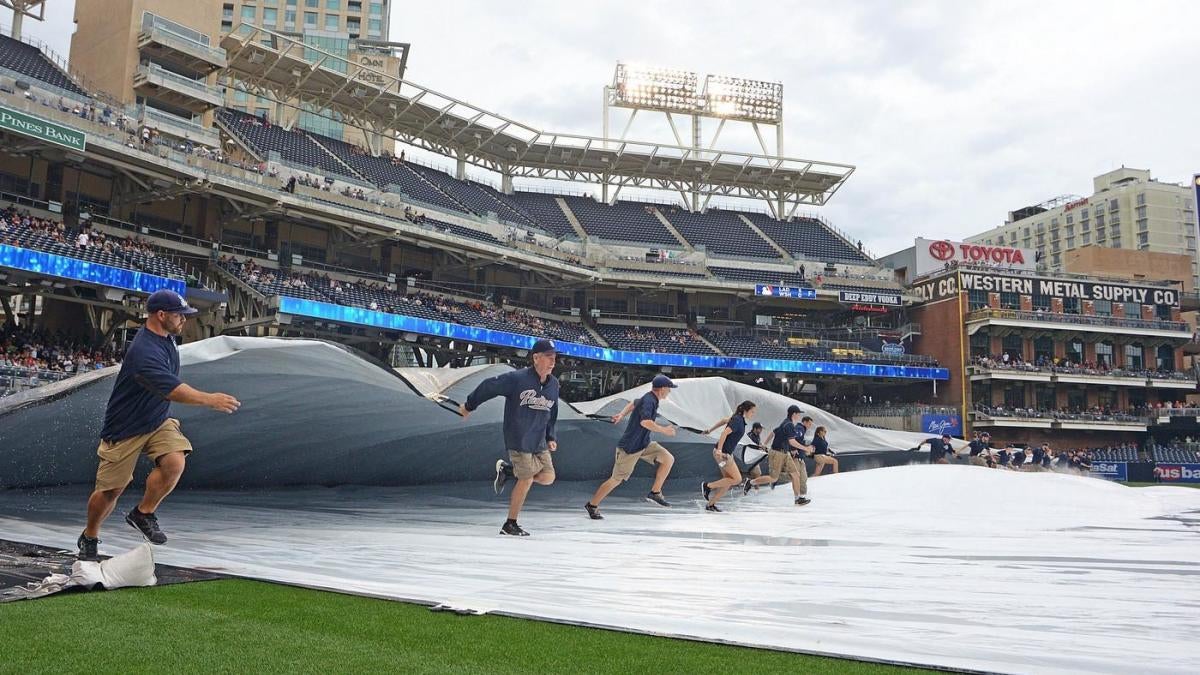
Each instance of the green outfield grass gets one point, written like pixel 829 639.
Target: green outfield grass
pixel 241 626
pixel 1190 485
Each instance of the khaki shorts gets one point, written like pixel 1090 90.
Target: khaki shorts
pixel 782 462
pixel 823 459
pixel 978 460
pixel 118 459
pixel 625 461
pixel 526 465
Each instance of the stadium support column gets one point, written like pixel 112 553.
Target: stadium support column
pixel 506 184
pixel 460 166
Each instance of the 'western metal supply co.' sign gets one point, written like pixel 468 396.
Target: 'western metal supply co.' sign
pixel 869 298
pixel 35 127
pixel 946 286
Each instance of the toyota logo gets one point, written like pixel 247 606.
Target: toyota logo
pixel 942 250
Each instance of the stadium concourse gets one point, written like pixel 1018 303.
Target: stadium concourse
pixel 352 296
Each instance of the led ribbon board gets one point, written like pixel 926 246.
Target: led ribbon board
pixel 63 267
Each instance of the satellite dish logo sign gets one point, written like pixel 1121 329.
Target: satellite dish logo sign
pixel 941 250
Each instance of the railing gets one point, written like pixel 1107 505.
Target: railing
pixel 184 128
pixel 1053 275
pixel 1059 416
pixel 15 379
pixel 200 90
pixel 1078 319
pixel 170 33
pixel 900 410
pixel 1079 370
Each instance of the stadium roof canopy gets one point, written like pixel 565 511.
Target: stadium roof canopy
pixel 270 63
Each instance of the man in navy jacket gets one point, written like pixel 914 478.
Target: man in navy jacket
pixel 530 411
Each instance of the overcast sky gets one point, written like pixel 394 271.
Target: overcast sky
pixel 954 113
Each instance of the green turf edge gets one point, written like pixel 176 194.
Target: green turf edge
pixel 240 626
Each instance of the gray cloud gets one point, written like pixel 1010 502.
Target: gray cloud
pixel 954 113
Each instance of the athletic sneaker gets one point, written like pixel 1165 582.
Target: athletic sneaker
pixel 705 490
pixel 802 501
pixel 503 471
pixel 87 548
pixel 147 524
pixel 713 508
pixel 657 498
pixel 512 528
pixel 593 511
pixel 746 485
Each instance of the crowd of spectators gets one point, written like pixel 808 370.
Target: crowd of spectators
pixel 654 340
pixel 1045 364
pixel 34 355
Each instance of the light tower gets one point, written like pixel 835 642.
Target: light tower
pixel 22 9
pixel 674 92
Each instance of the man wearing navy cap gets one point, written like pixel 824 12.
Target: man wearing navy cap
pixel 635 444
pixel 136 422
pixel 530 411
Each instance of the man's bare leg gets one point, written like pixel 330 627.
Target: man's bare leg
pixel 603 491
pixel 100 506
pixel 521 490
pixel 162 480
pixel 661 473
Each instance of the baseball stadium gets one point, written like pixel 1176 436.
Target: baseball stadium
pixel 403 383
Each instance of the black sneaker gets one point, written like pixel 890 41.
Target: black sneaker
pixel 657 498
pixel 746 485
pixel 512 528
pixel 593 511
pixel 503 471
pixel 147 524
pixel 713 508
pixel 705 490
pixel 87 548
pixel 803 501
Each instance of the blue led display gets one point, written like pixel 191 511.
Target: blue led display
pixel 398 322
pixel 785 292
pixel 82 270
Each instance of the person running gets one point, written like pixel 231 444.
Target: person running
pixel 822 455
pixel 979 449
pixel 1018 459
pixel 938 449
pixel 635 444
pixel 784 458
pixel 723 455
pixel 756 446
pixel 136 422
pixel 530 412
pixel 1039 456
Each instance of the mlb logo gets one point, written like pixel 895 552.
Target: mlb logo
pixel 768 290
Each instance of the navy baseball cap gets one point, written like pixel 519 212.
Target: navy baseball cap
pixel 168 301
pixel 662 381
pixel 947 436
pixel 793 409
pixel 543 346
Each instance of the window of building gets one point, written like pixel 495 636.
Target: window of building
pixel 977 299
pixel 1133 310
pixel 1014 346
pixel 1143 238
pixel 375 26
pixel 240 96
pixel 1141 211
pixel 1164 357
pixel 376 9
pixel 310 19
pixel 1163 312
pixel 1043 350
pixel 332 22
pixel 980 344
pixel 1070 305
pixel 1054 222
pixel 1133 357
pixel 1070 218
pixel 248 13
pixel 1056 259
pixel 1116 240
pixel 1076 399
pixel 1087 238
pixel 270 3
pixel 1046 399
pixel 1025 243
pixel 1041 302
pixel 1112 205
pixel 1014 396
pixel 1010 301
pixel 1102 307
pixel 1083 213
pixel 226 26
pixel 1099 219
pixel 291 3
pixel 289 18
pixel 312 4
pixel 1141 198
pixel 1041 240
pixel 227 11
pixel 1074 352
pixel 1070 242
pixel 270 16
pixel 1026 232
pixel 1104 354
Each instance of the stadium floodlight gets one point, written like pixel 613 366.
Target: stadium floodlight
pixel 650 88
pixel 738 98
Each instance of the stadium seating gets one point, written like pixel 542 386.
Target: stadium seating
pixel 29 61
pixel 809 238
pixel 545 211
pixel 1119 454
pixel 755 276
pixel 471 195
pixel 461 231
pixel 623 221
pixel 294 147
pixel 1174 455
pixel 722 232
pixel 662 273
pixel 122 254
pixel 654 340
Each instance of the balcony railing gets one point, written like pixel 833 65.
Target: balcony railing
pixel 178 126
pixel 987 412
pixel 170 38
pixel 1078 319
pixel 156 74
pixel 997 367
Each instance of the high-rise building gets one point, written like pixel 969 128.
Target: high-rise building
pixel 162 57
pixel 1127 210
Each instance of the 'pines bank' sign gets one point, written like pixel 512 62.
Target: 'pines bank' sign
pixel 35 127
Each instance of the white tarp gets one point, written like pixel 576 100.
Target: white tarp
pixel 699 402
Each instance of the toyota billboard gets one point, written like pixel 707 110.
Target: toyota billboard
pixel 936 254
